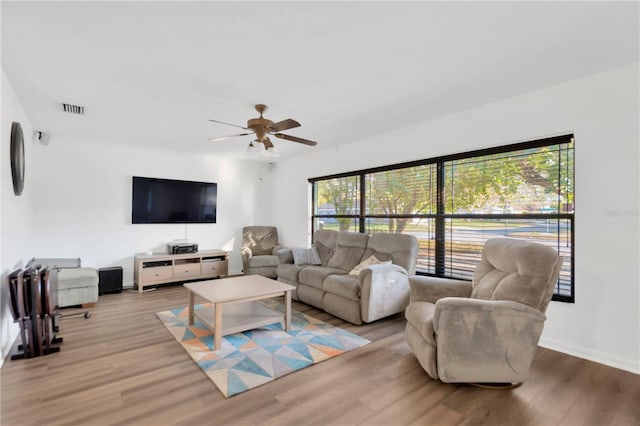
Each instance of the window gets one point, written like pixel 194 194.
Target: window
pixel 454 204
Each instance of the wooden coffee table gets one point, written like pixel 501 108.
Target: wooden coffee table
pixel 234 304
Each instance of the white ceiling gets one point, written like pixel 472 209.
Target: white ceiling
pixel 152 73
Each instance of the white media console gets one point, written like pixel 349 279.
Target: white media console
pixel 151 269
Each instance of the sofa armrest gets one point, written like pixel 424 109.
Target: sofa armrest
pixel 431 289
pixel 485 340
pixel 285 255
pixel 384 291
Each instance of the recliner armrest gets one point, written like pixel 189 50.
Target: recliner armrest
pixel 468 306
pixel 485 340
pixel 432 289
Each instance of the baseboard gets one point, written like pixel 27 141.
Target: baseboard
pixel 8 344
pixel 612 360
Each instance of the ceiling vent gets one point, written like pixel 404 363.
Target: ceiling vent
pixel 73 109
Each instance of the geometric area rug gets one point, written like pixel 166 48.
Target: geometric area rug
pixel 255 357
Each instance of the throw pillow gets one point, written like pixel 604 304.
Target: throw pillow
pixel 371 260
pixel 302 256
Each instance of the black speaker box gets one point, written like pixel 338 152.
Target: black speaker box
pixel 110 280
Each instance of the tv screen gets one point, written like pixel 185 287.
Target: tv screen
pixel 173 201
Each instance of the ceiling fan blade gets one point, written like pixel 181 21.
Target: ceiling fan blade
pixel 229 124
pixel 220 138
pixel 295 139
pixel 283 125
pixel 267 143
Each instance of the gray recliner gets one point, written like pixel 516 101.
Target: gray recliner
pixel 487 330
pixel 260 250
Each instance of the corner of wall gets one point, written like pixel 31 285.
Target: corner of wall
pixel 15 212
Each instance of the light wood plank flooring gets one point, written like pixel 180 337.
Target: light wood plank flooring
pixel 122 366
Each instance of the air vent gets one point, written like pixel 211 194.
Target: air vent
pixel 73 109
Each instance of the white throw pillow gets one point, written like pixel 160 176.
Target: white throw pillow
pixel 303 256
pixel 371 260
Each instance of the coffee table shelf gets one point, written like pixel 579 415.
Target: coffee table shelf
pixel 239 317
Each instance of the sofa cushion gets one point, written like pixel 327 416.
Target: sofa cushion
pixel 420 315
pixel 350 246
pixel 324 240
pixel 289 272
pixel 401 249
pixel 313 276
pixel 303 256
pixel 346 286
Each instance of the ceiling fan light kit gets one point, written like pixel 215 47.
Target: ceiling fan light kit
pixel 252 150
pixel 255 148
pixel 272 152
pixel 262 127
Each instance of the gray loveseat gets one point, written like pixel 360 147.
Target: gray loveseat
pixel 377 291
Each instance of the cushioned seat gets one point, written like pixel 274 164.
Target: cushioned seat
pixel 343 285
pixel 314 276
pixel 77 286
pixel 288 272
pixel 265 261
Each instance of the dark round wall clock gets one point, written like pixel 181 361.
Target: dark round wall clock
pixel 17 158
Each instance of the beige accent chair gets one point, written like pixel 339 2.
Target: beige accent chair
pixel 487 330
pixel 260 250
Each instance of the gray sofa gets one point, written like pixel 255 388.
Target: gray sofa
pixel 379 290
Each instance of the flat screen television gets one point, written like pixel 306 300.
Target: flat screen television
pixel 173 201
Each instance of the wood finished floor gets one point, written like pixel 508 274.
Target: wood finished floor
pixel 122 366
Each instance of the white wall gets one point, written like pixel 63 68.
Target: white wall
pixel 83 202
pixel 77 203
pixel 16 217
pixel 602 111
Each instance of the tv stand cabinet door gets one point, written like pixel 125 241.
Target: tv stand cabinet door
pixel 214 269
pixel 186 271
pixel 156 274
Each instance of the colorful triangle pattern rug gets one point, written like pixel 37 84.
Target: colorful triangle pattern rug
pixel 252 358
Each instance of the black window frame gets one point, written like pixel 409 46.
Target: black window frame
pixel 440 216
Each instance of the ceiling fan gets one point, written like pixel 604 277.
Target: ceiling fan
pixel 262 127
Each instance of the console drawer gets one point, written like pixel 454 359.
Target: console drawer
pixel 186 270
pixel 158 273
pixel 213 269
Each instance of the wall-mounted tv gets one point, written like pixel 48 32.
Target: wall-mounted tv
pixel 173 201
